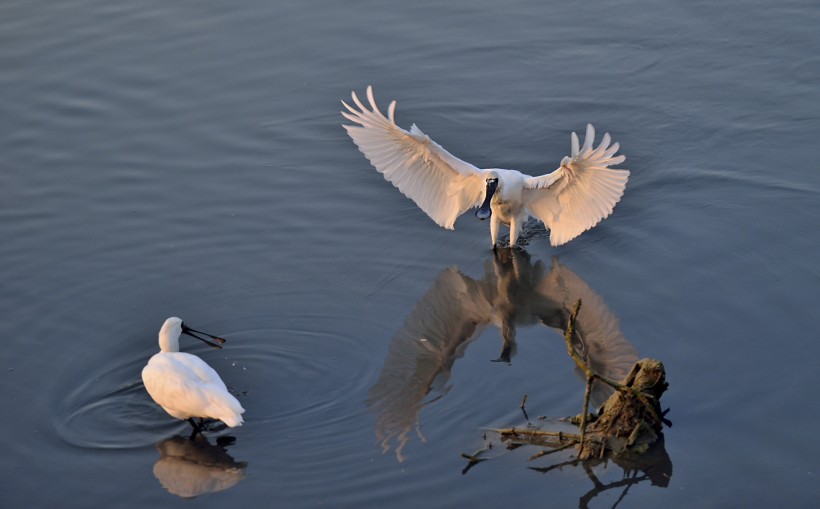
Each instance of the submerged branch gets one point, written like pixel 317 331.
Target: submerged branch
pixel 620 416
pixel 627 425
pixel 525 432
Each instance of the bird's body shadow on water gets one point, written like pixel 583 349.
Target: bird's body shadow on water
pixel 513 292
pixel 191 466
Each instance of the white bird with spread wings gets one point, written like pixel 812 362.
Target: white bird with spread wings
pixel 570 200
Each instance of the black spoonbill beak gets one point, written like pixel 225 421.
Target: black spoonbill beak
pixel 484 212
pixel 193 333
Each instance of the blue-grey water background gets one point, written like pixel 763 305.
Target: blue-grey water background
pixel 186 158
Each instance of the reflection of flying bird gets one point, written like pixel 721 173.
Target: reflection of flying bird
pixel 184 385
pixel 513 292
pixel 570 200
pixel 191 467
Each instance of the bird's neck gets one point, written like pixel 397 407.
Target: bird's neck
pixel 168 343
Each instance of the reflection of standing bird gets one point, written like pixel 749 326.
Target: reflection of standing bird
pixel 184 385
pixel 513 292
pixel 191 467
pixel 570 200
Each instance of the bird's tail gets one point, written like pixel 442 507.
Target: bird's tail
pixel 228 410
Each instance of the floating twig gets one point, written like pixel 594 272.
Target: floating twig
pixel 474 459
pixel 560 435
pixel 545 452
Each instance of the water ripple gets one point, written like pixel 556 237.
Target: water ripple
pixel 111 410
pixel 297 374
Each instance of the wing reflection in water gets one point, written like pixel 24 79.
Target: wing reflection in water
pixel 513 292
pixel 188 467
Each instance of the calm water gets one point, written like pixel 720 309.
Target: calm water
pixel 178 158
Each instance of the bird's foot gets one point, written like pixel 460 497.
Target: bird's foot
pixel 197 427
pixel 194 430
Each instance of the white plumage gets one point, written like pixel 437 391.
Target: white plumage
pixel 184 385
pixel 570 200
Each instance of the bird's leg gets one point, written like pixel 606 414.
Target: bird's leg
pixel 508 337
pixel 197 427
pixel 495 225
pixel 517 223
pixel 516 256
pixel 515 229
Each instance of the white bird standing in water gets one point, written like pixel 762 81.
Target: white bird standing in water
pixel 184 385
pixel 570 200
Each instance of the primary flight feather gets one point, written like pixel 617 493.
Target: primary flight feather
pixel 570 200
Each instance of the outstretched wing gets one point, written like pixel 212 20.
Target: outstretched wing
pixel 581 192
pixel 441 184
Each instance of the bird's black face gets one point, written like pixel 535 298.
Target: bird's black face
pixel 484 212
pixel 194 334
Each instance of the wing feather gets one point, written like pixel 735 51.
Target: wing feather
pixel 442 185
pixel 581 192
pixel 185 386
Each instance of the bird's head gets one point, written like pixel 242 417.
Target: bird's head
pixel 174 327
pixel 492 182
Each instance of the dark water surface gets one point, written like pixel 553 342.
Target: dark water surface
pixel 182 158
